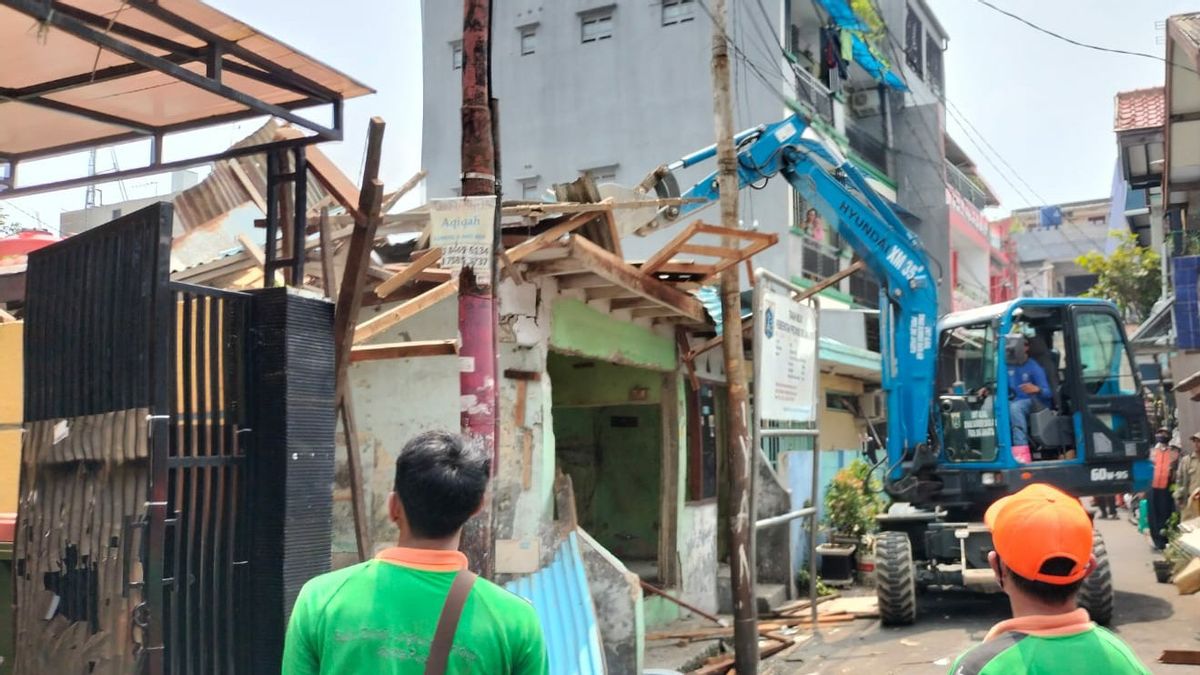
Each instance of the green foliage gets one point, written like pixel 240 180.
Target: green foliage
pixel 853 500
pixel 1130 277
pixel 802 585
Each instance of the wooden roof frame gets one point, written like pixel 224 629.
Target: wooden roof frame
pixel 582 264
pixel 725 257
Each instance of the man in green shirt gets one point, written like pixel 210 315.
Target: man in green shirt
pixel 1043 551
pixel 380 616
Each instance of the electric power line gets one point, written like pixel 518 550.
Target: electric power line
pixel 1085 45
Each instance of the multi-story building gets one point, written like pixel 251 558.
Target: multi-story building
pixel 577 96
pixel 1050 239
pixel 615 89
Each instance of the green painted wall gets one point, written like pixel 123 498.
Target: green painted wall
pixel 612 455
pixel 579 381
pixel 578 329
pixel 659 611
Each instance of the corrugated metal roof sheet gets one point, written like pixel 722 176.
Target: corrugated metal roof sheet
pixel 228 186
pixel 559 593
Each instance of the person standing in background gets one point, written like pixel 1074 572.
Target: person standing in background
pixel 1187 481
pixel 1165 456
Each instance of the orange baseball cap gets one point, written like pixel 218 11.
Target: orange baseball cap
pixel 1037 524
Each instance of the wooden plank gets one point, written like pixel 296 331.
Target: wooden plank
pixel 328 268
pixel 636 302
pixel 703 270
pixel 254 250
pixel 376 325
pixel 583 280
pixel 610 293
pixel 520 251
pixel 554 268
pixel 669 250
pixel 339 185
pixel 719 252
pixel 653 312
pixel 614 269
pixel 1182 657
pixel 771 625
pixel 235 166
pixel 408 274
pixel 358 259
pixel 540 208
pixel 403 350
pixel 705 228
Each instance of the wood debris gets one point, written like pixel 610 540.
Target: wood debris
pixel 766 626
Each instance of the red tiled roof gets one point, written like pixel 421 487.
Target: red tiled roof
pixel 1140 109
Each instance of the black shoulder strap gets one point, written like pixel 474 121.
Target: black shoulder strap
pixel 443 637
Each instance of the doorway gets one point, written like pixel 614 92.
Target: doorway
pixel 609 430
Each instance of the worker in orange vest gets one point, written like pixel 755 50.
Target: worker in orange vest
pixel 1165 455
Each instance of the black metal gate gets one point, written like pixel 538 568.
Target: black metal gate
pixel 206 553
pixel 141 522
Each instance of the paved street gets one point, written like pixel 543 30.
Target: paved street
pixel 1149 616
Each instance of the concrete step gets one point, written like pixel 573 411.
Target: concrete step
pixel 767 596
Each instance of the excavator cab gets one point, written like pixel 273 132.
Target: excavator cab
pixel 1036 390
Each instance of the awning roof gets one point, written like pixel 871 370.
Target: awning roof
pixel 81 73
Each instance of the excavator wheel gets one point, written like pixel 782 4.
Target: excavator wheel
pixel 895 579
pixel 1096 594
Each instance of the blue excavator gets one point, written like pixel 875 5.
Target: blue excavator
pixel 959 434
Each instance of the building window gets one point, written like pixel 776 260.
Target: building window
pixel 677 11
pixel 603 174
pixel 836 400
pixel 528 40
pixel 933 63
pixel 529 189
pixel 596 26
pixel 456 55
pixel 912 42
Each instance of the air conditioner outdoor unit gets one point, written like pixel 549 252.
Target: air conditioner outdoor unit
pixel 865 103
pixel 874 405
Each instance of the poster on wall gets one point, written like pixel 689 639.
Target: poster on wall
pixel 787 331
pixel 464 228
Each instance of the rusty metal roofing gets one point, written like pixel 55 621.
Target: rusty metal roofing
pixel 234 182
pixel 1140 109
pixel 560 594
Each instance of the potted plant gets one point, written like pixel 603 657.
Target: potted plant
pixel 851 504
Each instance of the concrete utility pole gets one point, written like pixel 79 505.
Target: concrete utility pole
pixel 477 313
pixel 741 455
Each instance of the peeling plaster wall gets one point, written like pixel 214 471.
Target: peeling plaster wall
pixel 394 400
pixel 698 555
pixel 773 547
pixel 524 342
pixel 619 607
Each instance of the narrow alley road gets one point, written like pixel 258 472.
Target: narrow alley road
pixel 1150 617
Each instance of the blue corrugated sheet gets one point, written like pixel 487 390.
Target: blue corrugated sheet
pixel 560 595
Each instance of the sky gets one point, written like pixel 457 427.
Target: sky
pixel 1044 105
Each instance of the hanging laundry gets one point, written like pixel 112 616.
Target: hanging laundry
pixel 847 39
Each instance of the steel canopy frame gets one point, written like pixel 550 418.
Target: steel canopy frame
pixel 217 53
